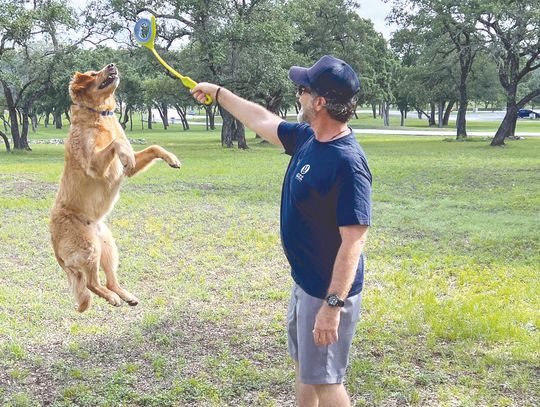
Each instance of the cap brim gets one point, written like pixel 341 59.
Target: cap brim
pixel 299 76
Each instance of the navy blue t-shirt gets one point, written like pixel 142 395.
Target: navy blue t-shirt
pixel 327 185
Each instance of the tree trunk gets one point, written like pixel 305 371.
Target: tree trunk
pixel 447 112
pixel 131 119
pixel 6 141
pixel 403 115
pixel 461 124
pixel 374 110
pixel 463 103
pixel 232 129
pixel 46 121
pixel 210 112
pixel 182 112
pixel 507 127
pixel 385 110
pixel 34 122
pixel 24 133
pixel 227 128
pixel 57 118
pixel 440 114
pixel 163 113
pixel 431 120
pixel 149 117
pixel 4 121
pixel 124 120
pixel 241 135
pixel 13 118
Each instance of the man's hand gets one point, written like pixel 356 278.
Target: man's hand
pixel 202 89
pixel 325 331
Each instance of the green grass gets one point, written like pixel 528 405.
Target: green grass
pixel 451 306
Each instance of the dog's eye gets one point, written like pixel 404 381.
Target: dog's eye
pixel 93 74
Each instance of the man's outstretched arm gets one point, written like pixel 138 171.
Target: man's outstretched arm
pixel 254 116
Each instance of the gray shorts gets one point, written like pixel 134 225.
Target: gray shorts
pixel 319 364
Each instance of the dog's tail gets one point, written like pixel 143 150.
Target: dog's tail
pixel 77 284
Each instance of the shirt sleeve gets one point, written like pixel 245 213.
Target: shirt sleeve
pixel 354 199
pixel 292 135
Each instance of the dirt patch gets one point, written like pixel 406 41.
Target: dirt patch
pixel 184 345
pixel 26 188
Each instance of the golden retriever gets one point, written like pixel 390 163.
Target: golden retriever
pixel 97 158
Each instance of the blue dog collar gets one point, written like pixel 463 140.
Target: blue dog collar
pixel 102 113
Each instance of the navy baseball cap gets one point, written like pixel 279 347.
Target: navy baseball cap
pixel 329 77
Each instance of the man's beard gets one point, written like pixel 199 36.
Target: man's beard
pixel 305 115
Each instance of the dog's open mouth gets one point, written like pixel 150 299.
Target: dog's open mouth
pixel 110 79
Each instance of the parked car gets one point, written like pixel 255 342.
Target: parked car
pixel 526 113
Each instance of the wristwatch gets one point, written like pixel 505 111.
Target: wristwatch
pixel 334 301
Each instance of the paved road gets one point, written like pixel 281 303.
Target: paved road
pixel 485 116
pixel 436 132
pixel 445 133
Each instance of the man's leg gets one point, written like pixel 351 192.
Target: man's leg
pixel 332 395
pixel 306 396
pixel 320 369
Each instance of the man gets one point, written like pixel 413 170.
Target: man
pixel 325 213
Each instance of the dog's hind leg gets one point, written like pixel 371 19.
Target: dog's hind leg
pixel 83 265
pixel 84 272
pixel 77 285
pixel 109 263
pixel 95 286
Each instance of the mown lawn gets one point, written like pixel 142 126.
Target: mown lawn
pixel 451 302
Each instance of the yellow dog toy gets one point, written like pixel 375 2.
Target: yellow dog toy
pixel 145 33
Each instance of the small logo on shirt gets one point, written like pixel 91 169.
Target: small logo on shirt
pixel 300 176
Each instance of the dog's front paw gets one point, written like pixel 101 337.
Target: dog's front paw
pixel 173 161
pixel 128 161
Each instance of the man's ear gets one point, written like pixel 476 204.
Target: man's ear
pixel 320 102
pixel 81 82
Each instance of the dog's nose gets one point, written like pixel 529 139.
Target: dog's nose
pixel 110 66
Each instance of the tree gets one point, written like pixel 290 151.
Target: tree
pixel 32 36
pixel 15 29
pixel 451 27
pixel 428 77
pixel 512 32
pixel 336 28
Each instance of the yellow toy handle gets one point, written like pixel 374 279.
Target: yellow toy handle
pixel 186 80
pixel 145 32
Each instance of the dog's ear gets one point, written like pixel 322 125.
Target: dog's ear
pixel 80 82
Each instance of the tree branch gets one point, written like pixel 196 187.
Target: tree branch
pixel 526 99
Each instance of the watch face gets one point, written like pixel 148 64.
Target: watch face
pixel 334 301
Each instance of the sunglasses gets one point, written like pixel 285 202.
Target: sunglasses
pixel 301 90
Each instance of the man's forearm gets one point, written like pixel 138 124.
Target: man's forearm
pixel 345 268
pixel 353 240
